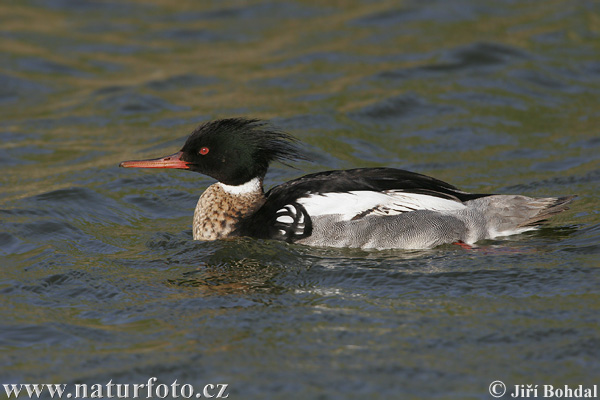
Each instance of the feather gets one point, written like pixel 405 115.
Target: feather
pixel 357 204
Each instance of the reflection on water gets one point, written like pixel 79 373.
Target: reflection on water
pixel 234 277
pixel 241 266
pixel 101 278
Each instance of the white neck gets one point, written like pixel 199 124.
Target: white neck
pixel 252 186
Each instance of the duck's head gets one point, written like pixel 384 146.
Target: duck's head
pixel 233 151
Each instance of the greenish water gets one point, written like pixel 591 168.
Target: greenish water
pixel 101 278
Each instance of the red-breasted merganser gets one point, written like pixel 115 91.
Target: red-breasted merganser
pixel 371 208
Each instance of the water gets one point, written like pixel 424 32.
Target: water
pixel 101 278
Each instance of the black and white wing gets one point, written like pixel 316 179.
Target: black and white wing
pixel 291 208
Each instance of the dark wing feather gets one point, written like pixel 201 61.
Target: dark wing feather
pixel 375 179
pixel 264 222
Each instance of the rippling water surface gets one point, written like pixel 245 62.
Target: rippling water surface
pixel 101 278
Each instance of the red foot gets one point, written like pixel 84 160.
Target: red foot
pixel 463 245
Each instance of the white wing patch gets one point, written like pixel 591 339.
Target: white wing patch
pixel 356 204
pixel 290 221
pixel 285 219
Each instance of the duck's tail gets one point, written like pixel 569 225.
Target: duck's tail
pixel 544 208
pixel 512 214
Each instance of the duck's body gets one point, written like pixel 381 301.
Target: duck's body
pixel 379 208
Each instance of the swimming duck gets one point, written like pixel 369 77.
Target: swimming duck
pixel 370 208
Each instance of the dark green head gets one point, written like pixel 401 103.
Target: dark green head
pixel 233 150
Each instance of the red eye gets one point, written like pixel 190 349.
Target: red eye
pixel 203 151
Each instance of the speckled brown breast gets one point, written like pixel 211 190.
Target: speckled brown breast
pixel 218 212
